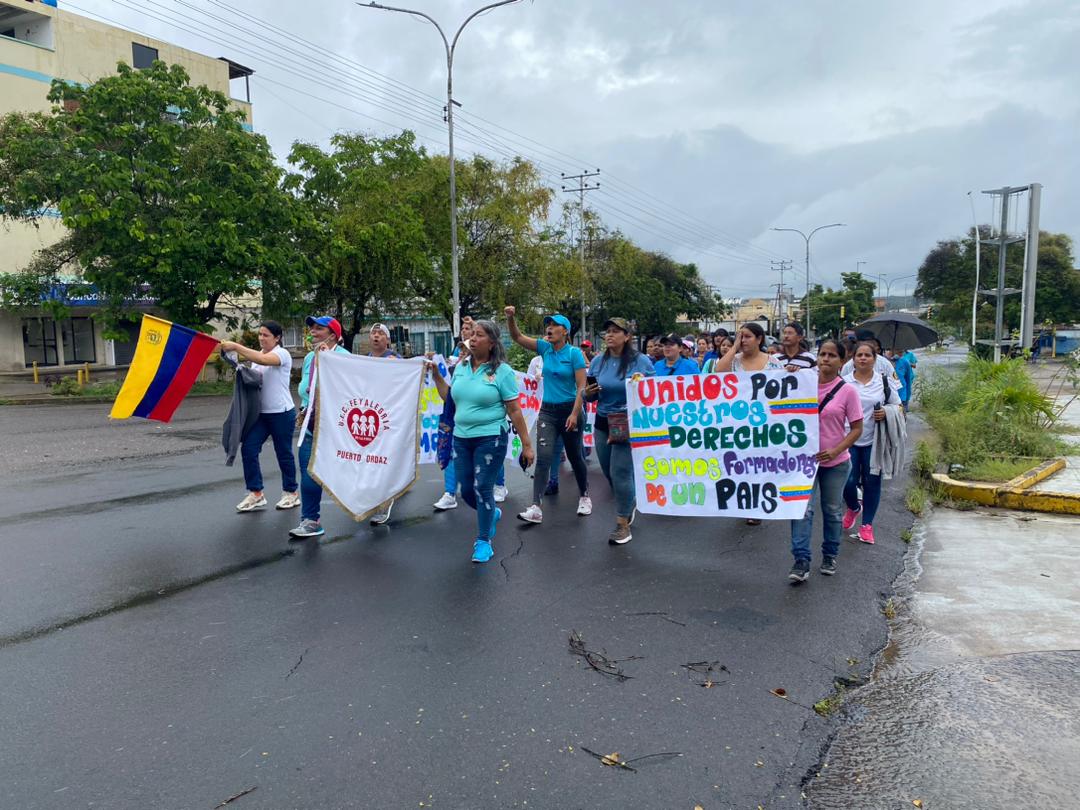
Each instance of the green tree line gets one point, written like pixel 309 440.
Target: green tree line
pixel 163 194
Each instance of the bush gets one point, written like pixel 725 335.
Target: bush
pixel 66 387
pixel 519 358
pixel 988 409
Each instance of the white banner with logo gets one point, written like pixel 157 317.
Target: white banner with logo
pixel 368 427
pixel 725 445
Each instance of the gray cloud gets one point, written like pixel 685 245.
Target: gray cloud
pixel 744 114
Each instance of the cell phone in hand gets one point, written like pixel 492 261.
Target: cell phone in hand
pixel 590 380
pixel 523 462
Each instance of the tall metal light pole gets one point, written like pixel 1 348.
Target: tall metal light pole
pixel 450 45
pixel 806 300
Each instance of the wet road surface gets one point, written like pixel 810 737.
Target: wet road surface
pixel 160 651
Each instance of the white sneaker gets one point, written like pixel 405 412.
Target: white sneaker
pixel 584 505
pixel 289 500
pixel 447 501
pixel 532 515
pixel 251 502
pixel 500 493
pixel 381 517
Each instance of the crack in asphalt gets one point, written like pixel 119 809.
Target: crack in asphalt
pixel 143 598
pixel 502 562
pixel 296 666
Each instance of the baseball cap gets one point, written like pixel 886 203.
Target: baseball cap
pixel 688 343
pixel 586 344
pixel 324 320
pixel 619 323
pixel 561 320
pixel 380 327
pixel 671 338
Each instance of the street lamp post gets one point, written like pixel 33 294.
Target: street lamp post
pixel 450 46
pixel 806 300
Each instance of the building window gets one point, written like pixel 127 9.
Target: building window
pixel 78 336
pixel 26 26
pixel 292 337
pixel 142 57
pixel 39 342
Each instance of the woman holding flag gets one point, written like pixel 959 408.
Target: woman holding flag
pixel 485 393
pixel 277 418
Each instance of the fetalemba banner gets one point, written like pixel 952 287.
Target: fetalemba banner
pixel 367 432
pixel 725 445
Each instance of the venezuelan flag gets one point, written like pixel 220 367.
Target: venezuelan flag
pixel 168 358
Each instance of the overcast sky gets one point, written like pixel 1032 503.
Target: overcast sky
pixel 711 122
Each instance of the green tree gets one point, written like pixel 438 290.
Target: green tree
pixel 502 242
pixel 162 192
pixel 833 310
pixel 371 252
pixel 947 278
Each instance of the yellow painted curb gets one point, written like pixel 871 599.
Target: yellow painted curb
pixel 1016 494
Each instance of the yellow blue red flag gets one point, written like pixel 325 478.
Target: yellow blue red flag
pixel 168 359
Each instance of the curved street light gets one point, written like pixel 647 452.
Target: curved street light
pixel 806 300
pixel 450 46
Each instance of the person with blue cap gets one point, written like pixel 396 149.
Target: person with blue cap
pixel 561 411
pixel 325 335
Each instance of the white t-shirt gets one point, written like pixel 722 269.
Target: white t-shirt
pixel 881 366
pixel 536 367
pixel 870 395
pixel 275 396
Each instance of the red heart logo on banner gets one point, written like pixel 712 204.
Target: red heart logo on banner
pixel 363 425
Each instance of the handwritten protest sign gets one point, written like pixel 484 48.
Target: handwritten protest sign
pixel 725 445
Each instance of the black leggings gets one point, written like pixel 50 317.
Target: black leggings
pixel 549 424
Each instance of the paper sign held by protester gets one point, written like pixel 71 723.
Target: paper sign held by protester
pixel 367 432
pixel 725 445
pixel 431 408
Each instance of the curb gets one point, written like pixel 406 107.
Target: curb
pixel 1016 494
pixel 48 399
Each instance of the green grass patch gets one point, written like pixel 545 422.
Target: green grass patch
pixel 916 499
pixel 829 705
pixel 906 535
pixel 997 470
pixel 986 411
pixel 69 387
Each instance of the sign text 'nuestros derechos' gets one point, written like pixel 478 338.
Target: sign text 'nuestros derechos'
pixel 725 445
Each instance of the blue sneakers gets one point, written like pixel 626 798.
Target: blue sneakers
pixel 482 551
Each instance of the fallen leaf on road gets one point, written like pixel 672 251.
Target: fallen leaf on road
pixel 610 759
pixel 780 692
pixel 917 802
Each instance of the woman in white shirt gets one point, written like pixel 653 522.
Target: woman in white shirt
pixel 874 390
pixel 277 418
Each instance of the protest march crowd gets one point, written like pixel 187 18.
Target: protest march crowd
pixel 722 425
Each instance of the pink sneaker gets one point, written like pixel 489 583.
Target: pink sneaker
pixel 866 533
pixel 850 517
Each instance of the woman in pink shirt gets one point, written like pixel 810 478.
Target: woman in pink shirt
pixel 840 420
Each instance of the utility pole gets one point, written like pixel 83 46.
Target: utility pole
pixel 1031 254
pixel 582 186
pixel 451 46
pixel 1002 243
pixel 782 265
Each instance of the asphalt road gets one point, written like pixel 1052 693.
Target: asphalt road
pixel 158 650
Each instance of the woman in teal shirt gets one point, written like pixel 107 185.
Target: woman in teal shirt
pixel 485 392
pixel 560 411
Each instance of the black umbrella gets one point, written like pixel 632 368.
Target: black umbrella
pixel 899 331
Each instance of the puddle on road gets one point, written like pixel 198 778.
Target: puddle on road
pixel 954 732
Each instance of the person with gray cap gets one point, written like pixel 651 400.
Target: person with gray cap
pixel 379 335
pixel 619 362
pixel 561 411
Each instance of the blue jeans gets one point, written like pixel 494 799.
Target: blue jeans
pixel 871 484
pixel 829 486
pixel 477 463
pixel 618 468
pixel 276 426
pixel 449 478
pixel 310 491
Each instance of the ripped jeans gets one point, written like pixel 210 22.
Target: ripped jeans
pixel 477 462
